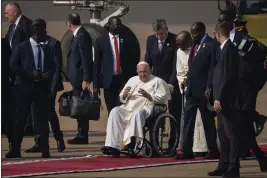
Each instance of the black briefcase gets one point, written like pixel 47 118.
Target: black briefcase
pixel 64 103
pixel 85 106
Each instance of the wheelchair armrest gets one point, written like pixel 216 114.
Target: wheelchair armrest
pixel 159 108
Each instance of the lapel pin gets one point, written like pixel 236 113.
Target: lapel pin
pixel 168 44
pixel 121 40
pixel 204 45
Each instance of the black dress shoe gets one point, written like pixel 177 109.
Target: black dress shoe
pixel 106 150
pixel 183 156
pixel 13 154
pixel 34 149
pixel 263 164
pixel 78 140
pixel 45 155
pixel 216 173
pixel 231 174
pixel 61 145
pixel 245 155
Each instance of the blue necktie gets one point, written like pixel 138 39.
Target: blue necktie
pixel 39 63
pixel 11 34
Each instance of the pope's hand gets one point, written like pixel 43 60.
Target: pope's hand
pixel 145 94
pixel 126 92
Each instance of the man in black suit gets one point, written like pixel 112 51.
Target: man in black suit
pixel 161 56
pixel 225 83
pixel 251 81
pixel 58 86
pixel 80 70
pixel 113 63
pixel 6 93
pixel 19 31
pixel 20 27
pixel 35 70
pixel 202 59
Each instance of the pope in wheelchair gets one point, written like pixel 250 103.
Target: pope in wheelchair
pixel 126 122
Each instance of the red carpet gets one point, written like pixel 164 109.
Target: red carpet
pixel 88 164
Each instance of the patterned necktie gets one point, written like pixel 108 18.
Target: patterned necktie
pixel 11 34
pixel 160 46
pixel 195 49
pixel 39 63
pixel 117 55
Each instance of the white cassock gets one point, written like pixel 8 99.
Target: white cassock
pixel 128 119
pixel 200 144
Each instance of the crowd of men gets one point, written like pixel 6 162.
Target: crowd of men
pixel 212 74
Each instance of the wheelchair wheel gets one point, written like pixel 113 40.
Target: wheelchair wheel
pixel 147 150
pixel 165 125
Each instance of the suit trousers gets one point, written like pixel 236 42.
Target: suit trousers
pixel 247 132
pixel 53 120
pixel 228 135
pixel 192 104
pixel 40 97
pixel 7 108
pixel 111 94
pixel 175 109
pixel 83 123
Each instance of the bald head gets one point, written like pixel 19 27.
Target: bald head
pixel 183 40
pixel 12 11
pixel 143 70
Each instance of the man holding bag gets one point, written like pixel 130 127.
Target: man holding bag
pixel 79 70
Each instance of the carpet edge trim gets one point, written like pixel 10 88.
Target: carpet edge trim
pixel 113 169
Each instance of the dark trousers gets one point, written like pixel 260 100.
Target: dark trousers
pixel 175 109
pixel 7 108
pixel 191 106
pixel 247 132
pixel 53 120
pixel 111 94
pixel 228 135
pixel 83 123
pixel 40 97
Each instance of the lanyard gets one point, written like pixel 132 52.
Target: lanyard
pixel 203 38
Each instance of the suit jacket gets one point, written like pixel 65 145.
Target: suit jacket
pixel 22 63
pixel 22 31
pixel 225 79
pixel 5 70
pixel 55 46
pixel 201 67
pixel 163 64
pixel 104 61
pixel 80 59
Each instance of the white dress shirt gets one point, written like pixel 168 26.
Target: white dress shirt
pixel 223 43
pixel 76 31
pixel 182 65
pixel 232 35
pixel 34 45
pixel 111 37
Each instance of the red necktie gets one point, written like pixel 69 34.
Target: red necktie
pixel 195 50
pixel 117 54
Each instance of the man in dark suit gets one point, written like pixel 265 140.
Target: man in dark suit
pixel 113 63
pixel 6 93
pixel 20 27
pixel 225 83
pixel 18 31
pixel 58 86
pixel 35 69
pixel 251 81
pixel 161 56
pixel 80 70
pixel 202 59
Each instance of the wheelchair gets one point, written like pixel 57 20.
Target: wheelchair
pixel 156 128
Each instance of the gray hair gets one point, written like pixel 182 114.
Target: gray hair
pixel 15 5
pixel 159 24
